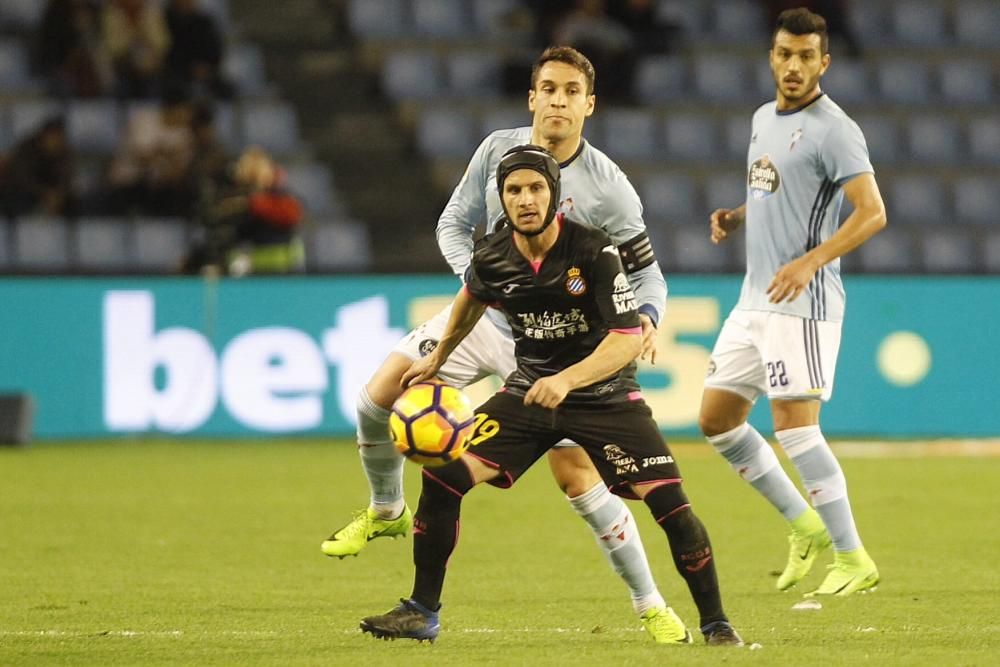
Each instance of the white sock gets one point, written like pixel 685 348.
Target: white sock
pixel 383 464
pixel 754 460
pixel 825 482
pixel 616 533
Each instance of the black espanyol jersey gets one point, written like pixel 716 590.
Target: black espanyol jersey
pixel 560 310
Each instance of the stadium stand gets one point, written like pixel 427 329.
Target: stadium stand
pixel 98 243
pixel 103 244
pixel 669 196
pixel 5 244
pixel 923 87
pixel 393 96
pixel 160 244
pixel 41 244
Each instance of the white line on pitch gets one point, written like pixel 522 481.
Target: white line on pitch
pixel 272 633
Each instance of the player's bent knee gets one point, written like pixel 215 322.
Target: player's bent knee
pixel 454 479
pixel 722 411
pixel 384 386
pixel 666 501
pixel 713 423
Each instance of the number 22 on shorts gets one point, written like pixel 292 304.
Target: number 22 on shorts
pixel 776 375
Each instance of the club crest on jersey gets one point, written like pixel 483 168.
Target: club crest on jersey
pixel 575 284
pixel 427 346
pixel 763 178
pixel 796 135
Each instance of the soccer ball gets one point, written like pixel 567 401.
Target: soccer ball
pixel 431 423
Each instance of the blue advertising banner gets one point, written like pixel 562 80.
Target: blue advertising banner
pixel 288 355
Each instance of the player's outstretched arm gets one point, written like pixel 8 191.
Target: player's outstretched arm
pixel 614 353
pixel 866 220
pixel 725 220
pixel 465 312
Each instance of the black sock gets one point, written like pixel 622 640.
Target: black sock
pixel 691 549
pixel 435 533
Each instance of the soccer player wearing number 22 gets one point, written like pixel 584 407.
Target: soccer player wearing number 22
pixel 782 338
pixel 573 315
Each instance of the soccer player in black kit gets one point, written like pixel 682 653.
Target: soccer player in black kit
pixel 577 335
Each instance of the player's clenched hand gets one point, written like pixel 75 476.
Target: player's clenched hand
pixel 648 338
pixel 791 280
pixel 547 392
pixel 421 370
pixel 723 221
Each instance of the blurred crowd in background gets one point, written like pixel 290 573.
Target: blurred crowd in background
pixel 136 111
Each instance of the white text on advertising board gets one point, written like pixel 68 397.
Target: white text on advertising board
pixel 271 379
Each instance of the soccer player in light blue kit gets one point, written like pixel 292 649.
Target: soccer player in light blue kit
pixel 783 336
pixel 594 191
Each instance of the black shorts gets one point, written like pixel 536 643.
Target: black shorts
pixel 621 439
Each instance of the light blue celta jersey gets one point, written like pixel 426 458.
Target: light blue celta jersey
pixel 594 191
pixel 797 164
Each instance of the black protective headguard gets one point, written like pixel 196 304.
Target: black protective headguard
pixel 536 158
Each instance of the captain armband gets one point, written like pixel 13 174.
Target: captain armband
pixel 636 253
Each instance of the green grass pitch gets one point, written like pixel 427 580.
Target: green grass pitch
pixel 205 553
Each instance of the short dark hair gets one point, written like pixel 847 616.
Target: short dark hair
pixel 801 21
pixel 569 56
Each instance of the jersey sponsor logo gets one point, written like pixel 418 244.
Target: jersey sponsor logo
pixel 575 284
pixel 550 326
pixel 657 461
pixel 427 346
pixel 622 462
pixel 763 178
pixel 621 284
pixel 623 297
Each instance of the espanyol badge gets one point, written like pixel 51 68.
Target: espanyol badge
pixel 575 284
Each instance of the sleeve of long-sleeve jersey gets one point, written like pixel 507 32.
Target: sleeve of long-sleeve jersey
pixel 650 291
pixel 621 218
pixel 615 298
pixel 465 209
